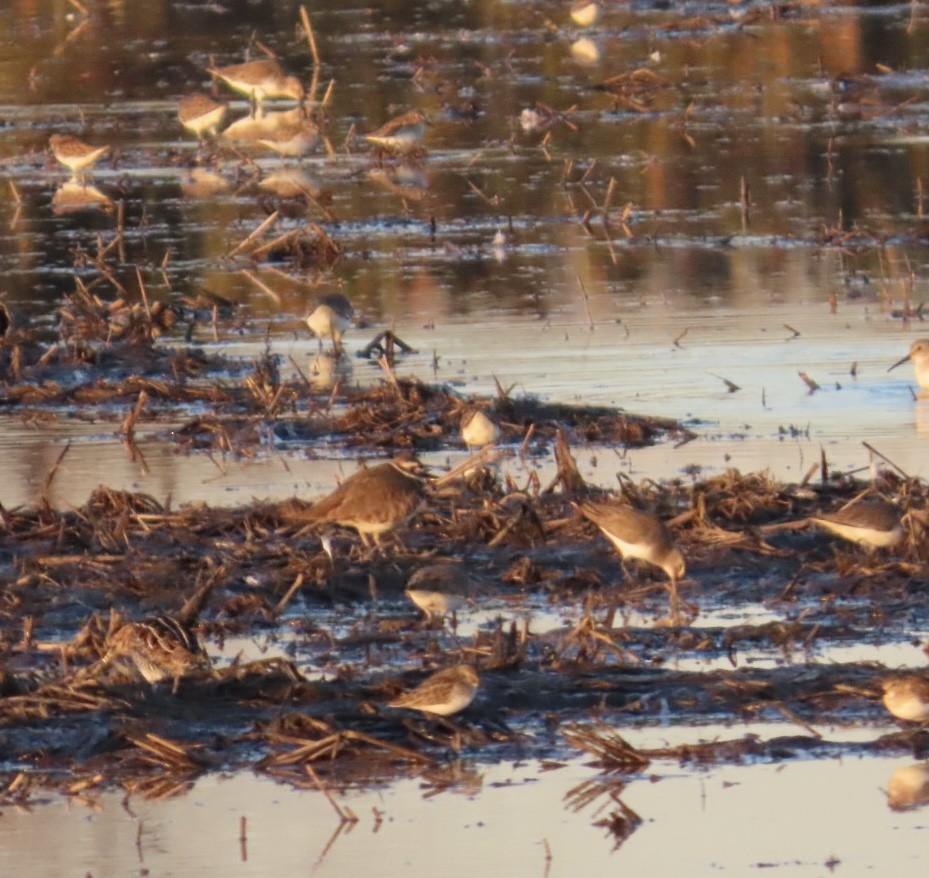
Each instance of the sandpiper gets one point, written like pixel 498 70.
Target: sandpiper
pixel 444 693
pixel 260 79
pixel 200 114
pixel 874 524
pixel 919 354
pixel 161 648
pixel 637 534
pixel 585 13
pixel 439 589
pixel 73 153
pixel 907 697
pixel 908 787
pixel 400 135
pixel 478 430
pixel 372 501
pixel 331 317
pixel 640 535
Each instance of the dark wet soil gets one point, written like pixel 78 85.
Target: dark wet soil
pixel 344 630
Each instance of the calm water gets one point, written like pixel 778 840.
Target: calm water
pixel 818 112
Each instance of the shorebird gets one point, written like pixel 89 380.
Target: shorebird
pixel 584 13
pixel 331 317
pixel 161 648
pixel 260 79
pixel 73 153
pixel 200 114
pixel 639 535
pixel 372 501
pixel 439 589
pixel 444 693
pixel 400 135
pixel 873 524
pixel 907 697
pixel 478 430
pixel 919 354
pixel 908 787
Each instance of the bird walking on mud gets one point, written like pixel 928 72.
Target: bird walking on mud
pixel 439 589
pixel 331 317
pixel 260 79
pixel 401 135
pixel 444 693
pixel 874 524
pixel 372 501
pixel 73 153
pixel 642 536
pixel 919 356
pixel 907 697
pixel 160 648
pixel 478 430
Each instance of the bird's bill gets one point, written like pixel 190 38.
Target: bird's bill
pixel 900 362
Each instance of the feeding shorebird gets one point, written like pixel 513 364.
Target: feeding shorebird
pixel 639 535
pixel 907 697
pixel 331 317
pixel 200 114
pixel 260 79
pixel 919 355
pixel 73 153
pixel 400 135
pixel 444 693
pixel 908 787
pixel 160 648
pixel 439 589
pixel 873 524
pixel 372 501
pixel 478 430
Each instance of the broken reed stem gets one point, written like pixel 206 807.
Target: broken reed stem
pixel 886 459
pixel 344 816
pixel 50 476
pixel 586 298
pixel 310 36
pixel 267 223
pixel 284 601
pixel 143 292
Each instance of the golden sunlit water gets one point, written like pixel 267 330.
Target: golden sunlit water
pixel 647 212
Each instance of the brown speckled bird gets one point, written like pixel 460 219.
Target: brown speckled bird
pixel 373 501
pixel 444 693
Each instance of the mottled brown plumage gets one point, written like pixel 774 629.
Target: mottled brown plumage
pixel 444 693
pixel 160 648
pixel 372 501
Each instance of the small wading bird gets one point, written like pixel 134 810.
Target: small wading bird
pixel 401 135
pixel 873 524
pixel 478 430
pixel 640 535
pixel 444 693
pixel 919 355
pixel 260 79
pixel 331 317
pixel 160 648
pixel 907 697
pixel 73 153
pixel 584 13
pixel 373 501
pixel 200 114
pixel 439 589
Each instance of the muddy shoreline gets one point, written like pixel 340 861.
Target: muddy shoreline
pixel 345 640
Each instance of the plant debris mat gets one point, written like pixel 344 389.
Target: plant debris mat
pixel 341 640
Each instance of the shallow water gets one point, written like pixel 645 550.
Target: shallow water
pixel 814 110
pixel 504 817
